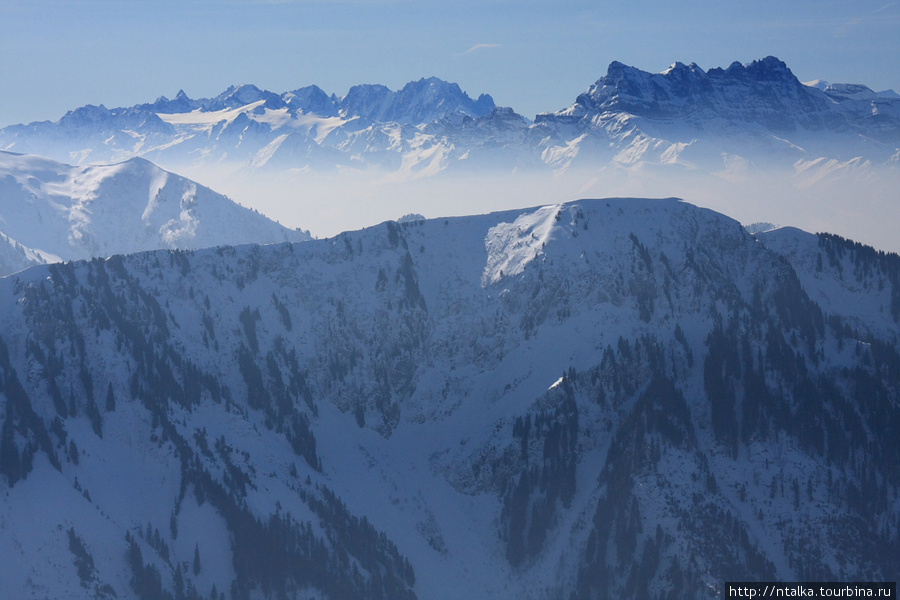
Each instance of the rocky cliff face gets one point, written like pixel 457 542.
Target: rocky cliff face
pixel 765 93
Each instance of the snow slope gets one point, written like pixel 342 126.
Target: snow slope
pixel 51 212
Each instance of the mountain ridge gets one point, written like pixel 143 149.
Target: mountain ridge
pixel 567 401
pixel 51 212
pixel 763 93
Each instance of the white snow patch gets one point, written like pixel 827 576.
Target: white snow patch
pixel 200 117
pixel 511 246
pixel 267 152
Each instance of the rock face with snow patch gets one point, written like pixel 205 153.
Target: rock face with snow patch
pixel 759 111
pixel 601 399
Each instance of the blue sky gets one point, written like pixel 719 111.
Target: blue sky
pixel 535 56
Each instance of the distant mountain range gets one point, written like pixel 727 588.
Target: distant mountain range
pixel 615 398
pixel 731 139
pixel 250 126
pixel 759 110
pixel 50 212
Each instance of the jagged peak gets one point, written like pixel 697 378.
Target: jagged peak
pixel 428 99
pixel 89 109
pixel 313 99
pixel 241 95
pixel 772 66
pixel 769 68
pixel 309 90
pixel 684 88
pixel 179 97
pixel 431 86
pixel 87 114
pixel 618 69
pixel 432 81
pixel 369 88
pixel 441 88
pixel 244 89
pixel 680 67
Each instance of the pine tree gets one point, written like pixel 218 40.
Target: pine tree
pixel 110 399
pixel 196 565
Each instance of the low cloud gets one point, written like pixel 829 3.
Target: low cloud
pixel 478 47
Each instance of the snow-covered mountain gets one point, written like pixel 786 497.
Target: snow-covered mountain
pixel 629 114
pixel 613 398
pixel 852 90
pixel 250 126
pixel 746 133
pixel 51 212
pixel 753 103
